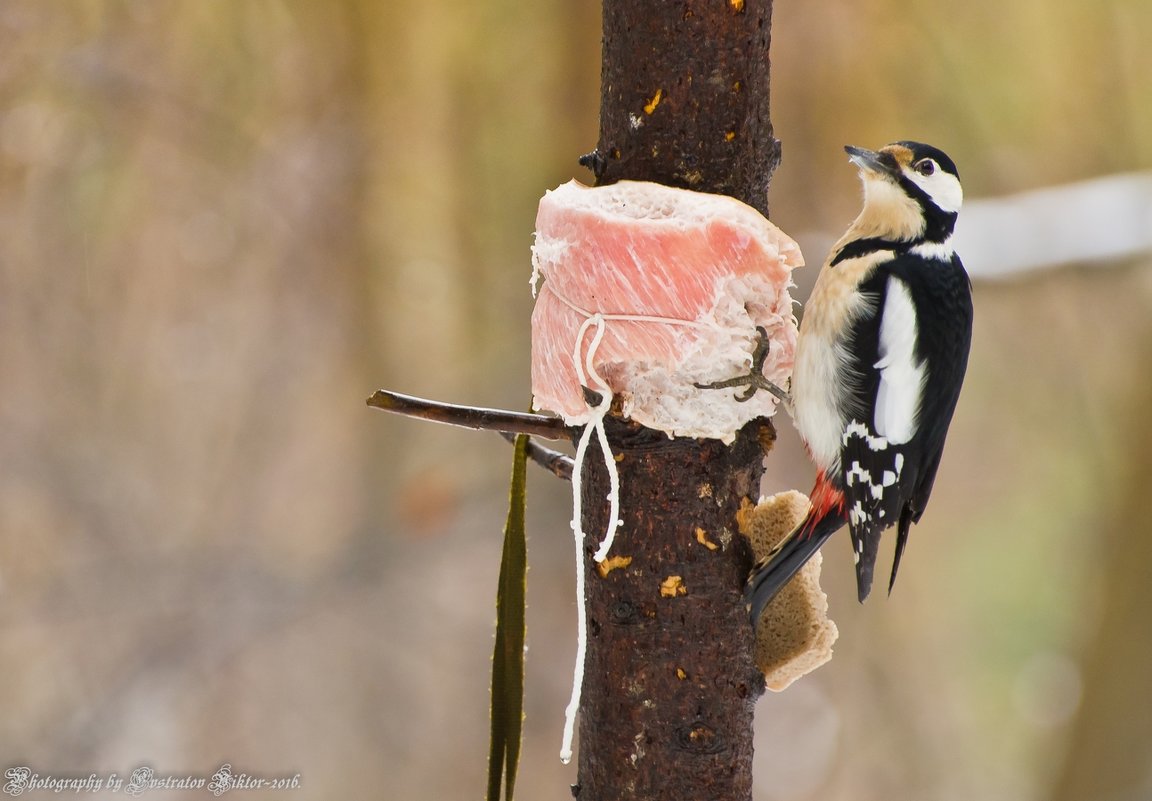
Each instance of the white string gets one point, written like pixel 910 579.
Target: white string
pixel 595 423
pixel 628 318
pixel 587 376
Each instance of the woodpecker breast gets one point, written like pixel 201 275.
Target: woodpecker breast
pixel 822 383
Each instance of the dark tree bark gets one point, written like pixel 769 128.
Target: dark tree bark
pixel 684 96
pixel 670 682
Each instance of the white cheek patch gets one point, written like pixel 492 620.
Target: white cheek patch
pixel 942 187
pixel 902 377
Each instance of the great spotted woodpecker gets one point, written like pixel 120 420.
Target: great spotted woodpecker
pixel 881 355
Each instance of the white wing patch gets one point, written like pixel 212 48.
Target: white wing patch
pixel 901 375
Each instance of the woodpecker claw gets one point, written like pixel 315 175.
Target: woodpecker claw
pixel 755 379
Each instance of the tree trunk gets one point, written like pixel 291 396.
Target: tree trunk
pixel 670 682
pixel 684 97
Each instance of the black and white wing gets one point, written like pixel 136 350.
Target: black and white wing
pixel 907 369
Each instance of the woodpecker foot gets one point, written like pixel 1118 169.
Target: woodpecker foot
pixel 755 379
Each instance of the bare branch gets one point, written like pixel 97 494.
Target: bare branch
pixel 555 462
pixel 537 425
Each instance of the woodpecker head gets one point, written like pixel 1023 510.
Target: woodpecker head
pixel 911 192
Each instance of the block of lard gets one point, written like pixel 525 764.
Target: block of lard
pixel 647 291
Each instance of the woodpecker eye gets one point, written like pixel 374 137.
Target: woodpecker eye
pixel 925 166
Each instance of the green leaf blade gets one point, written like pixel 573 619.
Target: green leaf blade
pixel 508 651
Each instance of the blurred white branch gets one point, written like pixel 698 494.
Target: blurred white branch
pixel 1096 221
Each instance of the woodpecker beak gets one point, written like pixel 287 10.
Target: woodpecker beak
pixel 871 161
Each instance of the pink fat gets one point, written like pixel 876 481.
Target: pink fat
pixel 638 248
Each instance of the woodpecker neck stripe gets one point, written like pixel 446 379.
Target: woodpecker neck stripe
pixel 938 224
pixel 862 247
pixel 924 247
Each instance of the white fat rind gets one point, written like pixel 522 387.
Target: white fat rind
pixel 719 347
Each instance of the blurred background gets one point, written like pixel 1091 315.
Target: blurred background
pixel 223 224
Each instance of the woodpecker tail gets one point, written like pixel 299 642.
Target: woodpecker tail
pixel 771 574
pixel 865 547
pixel 907 518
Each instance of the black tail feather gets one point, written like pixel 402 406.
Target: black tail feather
pixel 769 578
pixel 866 547
pixel 907 517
